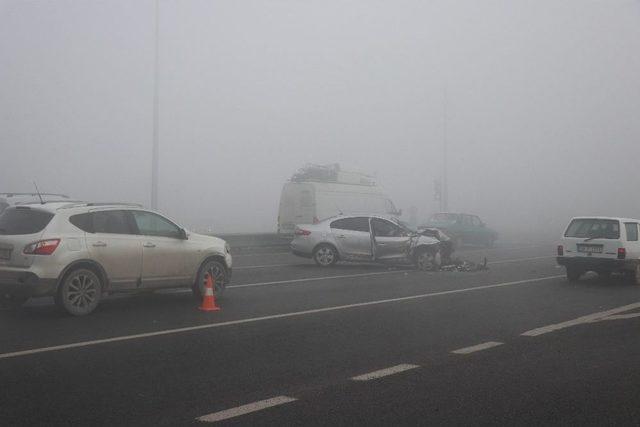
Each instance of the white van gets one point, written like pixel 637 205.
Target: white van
pixel 311 197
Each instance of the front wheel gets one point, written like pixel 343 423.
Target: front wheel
pixel 218 271
pixel 427 260
pixel 325 255
pixel 80 292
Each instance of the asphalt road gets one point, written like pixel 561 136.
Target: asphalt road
pixel 295 344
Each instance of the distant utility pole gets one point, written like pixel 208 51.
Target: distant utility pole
pixel 445 182
pixel 155 147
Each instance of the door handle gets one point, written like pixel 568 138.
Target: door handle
pixel 99 244
pixel 341 236
pixel 149 245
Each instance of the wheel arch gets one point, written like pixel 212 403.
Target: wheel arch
pixel 89 264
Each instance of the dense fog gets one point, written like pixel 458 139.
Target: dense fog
pixel 537 101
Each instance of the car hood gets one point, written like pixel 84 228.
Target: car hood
pixel 210 240
pixel 425 240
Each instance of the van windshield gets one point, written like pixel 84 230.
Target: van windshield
pixel 592 228
pixel 16 221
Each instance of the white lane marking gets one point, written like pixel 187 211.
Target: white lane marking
pixel 270 317
pixel 579 321
pixel 621 316
pixel 314 279
pixel 505 261
pixel 248 267
pixel 261 254
pixel 384 372
pixel 479 347
pixel 245 409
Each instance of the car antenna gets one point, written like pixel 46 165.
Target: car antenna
pixel 38 192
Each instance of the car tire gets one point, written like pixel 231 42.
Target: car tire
pixel 80 292
pixel 11 302
pixel 325 255
pixel 218 270
pixel 573 274
pixel 633 276
pixel 428 260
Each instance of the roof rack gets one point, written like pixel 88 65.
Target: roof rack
pixel 34 194
pixel 80 203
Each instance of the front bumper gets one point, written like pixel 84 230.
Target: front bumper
pixel 598 264
pixel 26 284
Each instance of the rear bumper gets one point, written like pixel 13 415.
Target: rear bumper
pixel 597 264
pixel 26 284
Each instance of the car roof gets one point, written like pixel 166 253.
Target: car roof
pixel 613 218
pixel 55 206
pixel 355 215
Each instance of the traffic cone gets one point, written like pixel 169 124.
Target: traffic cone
pixel 209 299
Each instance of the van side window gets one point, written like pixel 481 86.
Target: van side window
pixel 352 224
pixel 632 231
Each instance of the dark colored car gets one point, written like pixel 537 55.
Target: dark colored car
pixel 463 228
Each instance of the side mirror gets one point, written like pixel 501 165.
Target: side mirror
pixel 183 234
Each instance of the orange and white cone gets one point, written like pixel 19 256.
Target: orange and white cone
pixel 209 298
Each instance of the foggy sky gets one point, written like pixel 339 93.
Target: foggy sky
pixel 542 103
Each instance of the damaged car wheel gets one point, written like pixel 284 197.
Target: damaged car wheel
pixel 325 255
pixel 428 260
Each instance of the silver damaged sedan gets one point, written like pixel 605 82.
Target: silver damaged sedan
pixel 367 238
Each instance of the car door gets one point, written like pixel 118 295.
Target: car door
pixel 164 251
pixel 353 238
pixel 390 240
pixel 112 242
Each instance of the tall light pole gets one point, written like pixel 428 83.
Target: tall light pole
pixel 445 182
pixel 155 148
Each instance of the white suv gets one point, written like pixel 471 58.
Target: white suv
pixel 76 252
pixel 603 245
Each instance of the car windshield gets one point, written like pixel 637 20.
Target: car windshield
pixel 591 228
pixel 16 221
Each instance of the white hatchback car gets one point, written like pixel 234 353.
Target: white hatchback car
pixel 76 252
pixel 603 245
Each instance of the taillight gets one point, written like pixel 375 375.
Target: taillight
pixel 622 253
pixel 301 232
pixel 316 220
pixel 560 250
pixel 43 247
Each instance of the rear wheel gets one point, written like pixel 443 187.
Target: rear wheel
pixel 80 292
pixel 573 274
pixel 218 271
pixel 633 276
pixel 325 255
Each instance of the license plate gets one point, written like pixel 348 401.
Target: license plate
pixel 590 249
pixel 5 254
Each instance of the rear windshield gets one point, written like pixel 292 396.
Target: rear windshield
pixel 594 228
pixel 14 221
